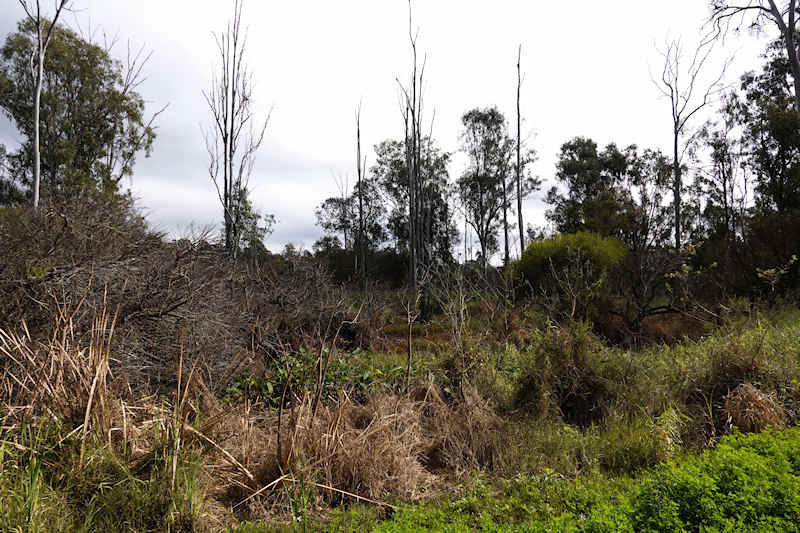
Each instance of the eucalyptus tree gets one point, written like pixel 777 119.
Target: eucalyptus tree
pixel 418 205
pixel 92 122
pixel 683 85
pixel 236 132
pixel 44 31
pixel 486 187
pixel 391 175
pixel 757 14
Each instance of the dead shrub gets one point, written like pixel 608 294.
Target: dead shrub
pixel 461 436
pixel 380 458
pixel 751 410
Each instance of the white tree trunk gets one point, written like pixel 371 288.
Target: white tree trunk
pixel 36 106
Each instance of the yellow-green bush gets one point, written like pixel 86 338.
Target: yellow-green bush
pixel 560 250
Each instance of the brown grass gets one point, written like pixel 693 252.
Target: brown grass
pixel 751 410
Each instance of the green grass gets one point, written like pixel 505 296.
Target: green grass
pixel 45 486
pixel 747 483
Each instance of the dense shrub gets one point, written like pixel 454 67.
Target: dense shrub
pixel 748 483
pixel 567 272
pixel 535 265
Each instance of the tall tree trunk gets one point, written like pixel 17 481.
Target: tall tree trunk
pixel 505 221
pixel 33 12
pixel 788 31
pixel 519 160
pixel 676 189
pixel 37 105
pixel 361 240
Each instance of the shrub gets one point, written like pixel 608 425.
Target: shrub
pixel 534 266
pixel 563 376
pixel 749 483
pixel 569 270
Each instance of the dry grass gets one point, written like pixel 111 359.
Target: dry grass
pixel 398 445
pixel 751 410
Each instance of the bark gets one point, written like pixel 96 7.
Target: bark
pixel 37 105
pixel 519 160
pixel 361 241
pixel 677 186
pixel 34 13
pixel 505 221
pixel 236 138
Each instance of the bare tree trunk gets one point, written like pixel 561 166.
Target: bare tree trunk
pixel 33 12
pixel 361 241
pixel 788 31
pixel 236 138
pixel 37 105
pixel 413 147
pixel 677 186
pixel 519 160
pixel 680 86
pixel 505 221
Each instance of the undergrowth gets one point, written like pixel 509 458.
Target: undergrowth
pixel 747 483
pixel 152 386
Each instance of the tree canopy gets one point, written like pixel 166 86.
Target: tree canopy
pixel 93 122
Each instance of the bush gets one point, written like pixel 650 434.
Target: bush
pixel 568 270
pixel 748 483
pixel 534 266
pixel 562 376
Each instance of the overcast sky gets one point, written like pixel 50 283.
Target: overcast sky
pixel 586 67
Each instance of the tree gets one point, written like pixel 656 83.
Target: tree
pixel 723 179
pixel 340 214
pixel 236 136
pixel 760 13
pixel 770 134
pixel 255 227
pixel 335 214
pixel 92 122
pixel 418 205
pixel 361 168
pixel 10 193
pixel 44 31
pixel 391 175
pixel 591 178
pixel 617 193
pixel 485 187
pixel 680 84
pixel 520 166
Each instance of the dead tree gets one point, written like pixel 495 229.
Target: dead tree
pixel 759 13
pixel 411 106
pixel 236 136
pixel 681 85
pixel 519 160
pixel 44 31
pixel 361 165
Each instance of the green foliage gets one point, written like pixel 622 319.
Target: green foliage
pixel 542 256
pixel 488 184
pixel 359 373
pixel 615 192
pixel 568 272
pixel 253 227
pixel 46 486
pixel 391 175
pixel 748 483
pixel 82 82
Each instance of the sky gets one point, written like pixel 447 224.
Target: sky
pixel 587 71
